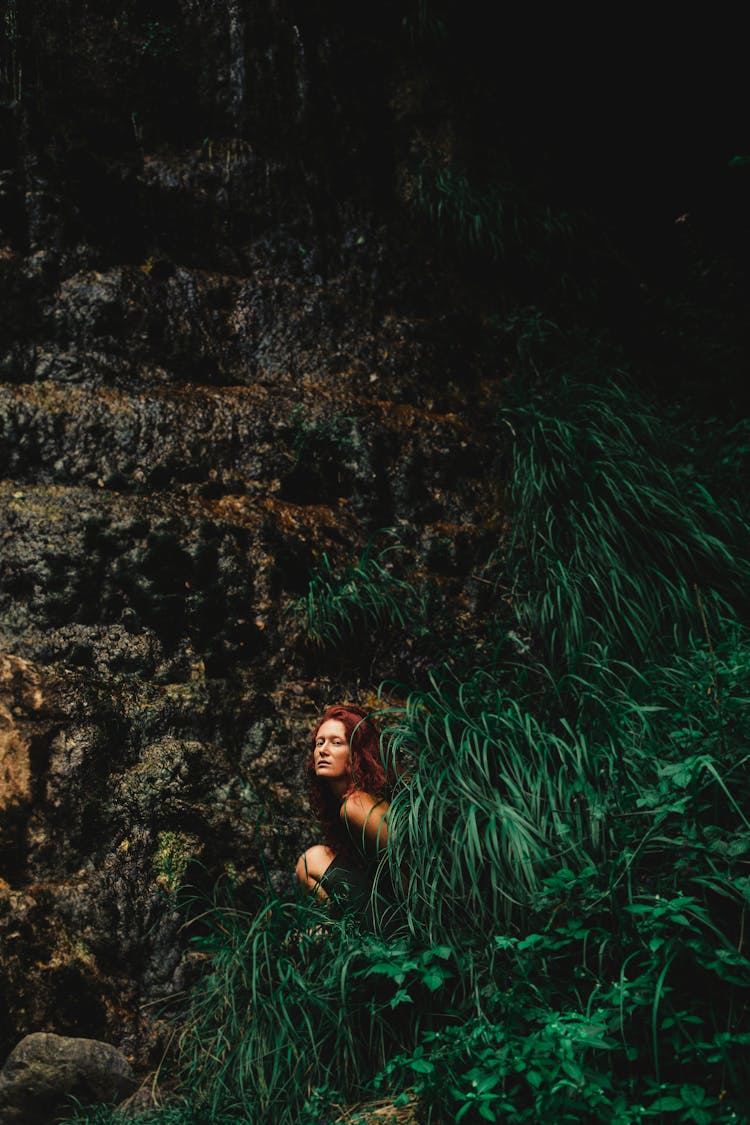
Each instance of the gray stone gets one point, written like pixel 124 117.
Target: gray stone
pixel 44 1071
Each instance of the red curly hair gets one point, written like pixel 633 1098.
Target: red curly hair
pixel 367 772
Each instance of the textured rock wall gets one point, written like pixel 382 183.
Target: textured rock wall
pixel 226 349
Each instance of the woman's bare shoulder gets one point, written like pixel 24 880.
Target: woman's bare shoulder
pixel 365 817
pixel 360 801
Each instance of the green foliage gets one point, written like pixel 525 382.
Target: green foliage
pixel 493 799
pixel 497 219
pixel 296 1009
pixel 532 335
pixel 617 916
pixel 180 1113
pixel 573 946
pixel 569 835
pixel 174 852
pixel 718 454
pixel 368 595
pixel 609 542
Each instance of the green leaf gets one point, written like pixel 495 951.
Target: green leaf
pixel 573 1070
pixel 504 942
pixel 667 1102
pixel 693 1095
pixel 699 1116
pixel 532 940
pixel 435 977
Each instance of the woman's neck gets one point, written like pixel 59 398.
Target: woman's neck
pixel 339 786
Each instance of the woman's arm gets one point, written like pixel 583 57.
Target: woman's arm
pixel 365 820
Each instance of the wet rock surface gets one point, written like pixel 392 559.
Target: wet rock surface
pixel 226 351
pixel 45 1071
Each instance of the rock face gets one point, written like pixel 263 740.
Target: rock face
pixel 226 350
pixel 45 1071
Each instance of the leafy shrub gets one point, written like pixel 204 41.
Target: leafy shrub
pixel 609 988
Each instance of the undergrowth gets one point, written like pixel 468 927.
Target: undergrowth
pixel 342 604
pixel 494 219
pixel 569 833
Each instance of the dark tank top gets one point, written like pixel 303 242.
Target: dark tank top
pixel 349 882
pixel 358 889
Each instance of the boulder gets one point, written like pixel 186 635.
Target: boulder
pixel 44 1071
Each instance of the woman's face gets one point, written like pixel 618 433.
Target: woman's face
pixel 331 756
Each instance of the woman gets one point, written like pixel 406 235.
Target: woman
pixel 346 792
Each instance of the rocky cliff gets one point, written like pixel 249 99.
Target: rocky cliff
pixel 228 349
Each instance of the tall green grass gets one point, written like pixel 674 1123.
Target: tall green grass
pixel 494 799
pixel 277 1015
pixel 342 604
pixel 495 219
pixel 610 542
pixel 180 1113
pixel 296 1012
